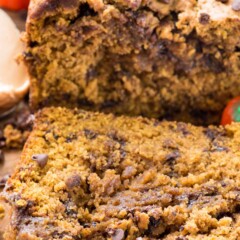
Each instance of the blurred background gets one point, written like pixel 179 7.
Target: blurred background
pixel 9 157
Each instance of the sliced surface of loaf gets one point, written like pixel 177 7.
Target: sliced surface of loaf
pixel 173 59
pixel 86 175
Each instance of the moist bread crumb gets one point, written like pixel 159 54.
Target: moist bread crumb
pixel 109 177
pixel 165 59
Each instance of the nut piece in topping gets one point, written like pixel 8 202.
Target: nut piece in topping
pixel 236 5
pixel 41 159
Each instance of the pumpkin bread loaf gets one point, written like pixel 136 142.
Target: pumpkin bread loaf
pixel 86 175
pixel 172 59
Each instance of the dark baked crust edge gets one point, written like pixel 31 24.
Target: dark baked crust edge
pixel 43 8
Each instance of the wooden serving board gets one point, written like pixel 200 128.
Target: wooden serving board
pixel 11 157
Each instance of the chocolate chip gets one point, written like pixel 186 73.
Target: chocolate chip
pixel 89 134
pixel 223 184
pixel 154 222
pixel 56 137
pixel 116 234
pixel 23 121
pixel 71 137
pixel 236 5
pixel 212 133
pixel 27 56
pixel 192 198
pixel 2 158
pixel 3 181
pixel 213 63
pixel 162 48
pixel 41 159
pixel 204 18
pixel 114 136
pixel 73 181
pixel 172 156
pixel 86 10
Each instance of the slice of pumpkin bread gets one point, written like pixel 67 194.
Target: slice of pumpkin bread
pixel 177 59
pixel 86 175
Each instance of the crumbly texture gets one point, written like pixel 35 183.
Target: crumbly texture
pixel 173 59
pixel 15 128
pixel 14 138
pixel 86 175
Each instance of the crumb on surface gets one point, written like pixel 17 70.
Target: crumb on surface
pixel 119 177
